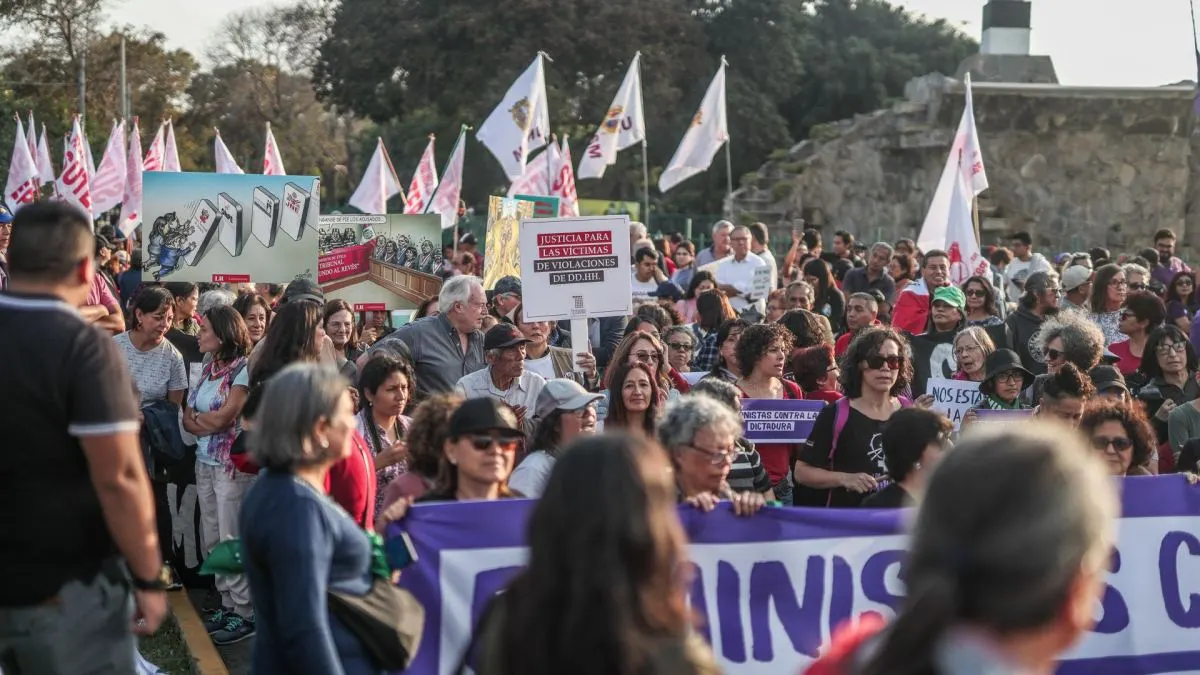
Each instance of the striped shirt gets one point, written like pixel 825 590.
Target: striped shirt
pixel 748 473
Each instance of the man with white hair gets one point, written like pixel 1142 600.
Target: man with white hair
pixel 720 244
pixel 735 277
pixel 448 345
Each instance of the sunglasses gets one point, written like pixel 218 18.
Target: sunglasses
pixel 877 362
pixel 680 346
pixel 1054 355
pixel 1137 287
pixel 482 442
pixel 648 356
pixel 1118 443
pixel 975 293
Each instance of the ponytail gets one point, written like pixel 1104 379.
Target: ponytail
pixel 908 643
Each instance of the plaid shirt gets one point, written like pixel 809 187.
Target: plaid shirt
pixel 707 350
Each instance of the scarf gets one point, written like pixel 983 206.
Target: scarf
pixel 220 442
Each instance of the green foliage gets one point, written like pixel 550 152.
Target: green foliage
pixel 749 178
pixel 823 132
pixel 782 190
pixel 778 155
pixel 794 167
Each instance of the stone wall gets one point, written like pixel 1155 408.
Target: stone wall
pixel 1077 167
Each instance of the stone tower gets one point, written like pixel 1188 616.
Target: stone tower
pixel 1004 50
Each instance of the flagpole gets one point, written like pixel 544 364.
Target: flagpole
pixel 728 161
pixel 462 131
pixel 645 186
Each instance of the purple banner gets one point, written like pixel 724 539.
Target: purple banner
pixel 779 420
pixel 772 587
pixel 986 415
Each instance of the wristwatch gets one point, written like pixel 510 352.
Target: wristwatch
pixel 159 583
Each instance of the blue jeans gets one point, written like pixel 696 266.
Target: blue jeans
pixel 86 628
pixel 783 490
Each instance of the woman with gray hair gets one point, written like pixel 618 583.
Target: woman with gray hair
pixel 701 436
pixel 1006 564
pixel 1066 337
pixel 747 473
pixel 297 543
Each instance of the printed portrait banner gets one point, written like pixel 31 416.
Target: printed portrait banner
pixel 779 420
pixel 770 588
pixel 953 398
pixel 502 252
pixel 348 261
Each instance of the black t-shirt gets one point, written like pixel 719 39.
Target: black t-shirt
pixel 64 380
pixel 891 497
pixel 932 356
pixel 860 450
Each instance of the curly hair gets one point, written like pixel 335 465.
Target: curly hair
pixel 811 364
pixel 756 340
pixel 808 330
pixel 1131 418
pixel 1083 342
pixel 1069 382
pixel 428 433
pixel 865 345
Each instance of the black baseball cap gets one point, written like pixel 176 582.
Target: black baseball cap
pixel 467 238
pixel 668 289
pixel 1108 377
pixel 502 336
pixel 505 285
pixel 303 288
pixel 477 415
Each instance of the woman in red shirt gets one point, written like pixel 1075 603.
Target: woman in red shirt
pixel 762 353
pixel 1143 312
pixel 816 371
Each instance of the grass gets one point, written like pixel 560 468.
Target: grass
pixel 167 649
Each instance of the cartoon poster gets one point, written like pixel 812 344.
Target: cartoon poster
pixel 502 247
pixel 229 227
pixel 387 261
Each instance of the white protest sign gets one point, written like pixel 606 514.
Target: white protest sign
pixel 760 285
pixel 953 398
pixel 573 268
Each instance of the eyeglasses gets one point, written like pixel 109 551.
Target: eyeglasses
pixel 645 356
pixel 961 351
pixel 1168 347
pixel 1137 286
pixel 975 293
pixel 482 442
pixel 680 346
pixel 1118 443
pixel 1118 283
pixel 1126 314
pixel 877 361
pixel 1014 376
pixel 1184 282
pixel 716 457
pixel 1054 354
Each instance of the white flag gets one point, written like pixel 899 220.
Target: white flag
pixel 131 205
pixel 155 152
pixel 21 187
pixel 538 179
pixel 91 160
pixel 424 182
pixel 622 127
pixel 521 123
pixel 965 257
pixel 44 164
pixel 73 185
pixel 564 184
pixel 272 162
pixel 170 151
pixel 108 185
pixel 379 184
pixel 445 199
pixel 225 161
pixel 31 137
pixel 966 160
pixel 708 132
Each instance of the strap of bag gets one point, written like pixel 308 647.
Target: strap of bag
pixel 476 633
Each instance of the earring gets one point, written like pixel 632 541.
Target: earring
pixel 452 461
pixel 324 444
pixel 917 465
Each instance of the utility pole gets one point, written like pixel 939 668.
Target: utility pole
pixel 124 91
pixel 82 87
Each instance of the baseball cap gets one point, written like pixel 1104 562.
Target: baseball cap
pixel 562 394
pixel 5 215
pixel 509 284
pixel 468 238
pixel 483 414
pixel 502 336
pixel 667 289
pixel 1108 377
pixel 1075 276
pixel 122 256
pixel 302 288
pixel 951 295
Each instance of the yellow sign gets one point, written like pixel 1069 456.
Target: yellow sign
pixel 502 246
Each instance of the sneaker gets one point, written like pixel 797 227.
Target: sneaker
pixel 216 620
pixel 236 629
pixel 174 584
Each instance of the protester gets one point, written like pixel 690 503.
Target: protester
pixel 426 438
pixel 681 346
pixel 913 440
pixel 800 295
pixel 1110 384
pixel 719 249
pixel 505 378
pixel 602 588
pixel 128 282
pixel 947 313
pixel 684 256
pixel 338 319
pixel 816 371
pixel 874 275
pixel 565 411
pixel 981 307
pixel 862 312
pixel 1138 278
pixel 1170 375
pixel 713 311
pixel 901 271
pixel 549 362
pixel 1039 301
pixel 1077 289
pixel 1024 260
pixel 295 335
pixel 1108 296
pixel 1143 312
pixel 1002 575
pixel 1166 266
pixel 762 354
pixel 256 312
pixel 479 453
pixel 1182 300
pixel 841 463
pixel 1120 434
pixel 78 510
pixel 644 281
pixel 830 302
pixel 298 544
pixel 374 326
pixel 701 282
pixel 776 305
pixel 746 473
pixel 726 366
pixel 912 304
pixel 102 306
pixel 1064 395
pixel 807 328
pixel 156 365
pixel 1002 384
pixel 700 435
pixel 1066 338
pixel 385 389
pixel 634 398
pixel 506 296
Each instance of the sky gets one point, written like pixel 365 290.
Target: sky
pixel 1138 43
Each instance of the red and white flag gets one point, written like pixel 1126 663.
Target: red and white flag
pixel 45 165
pixel 521 123
pixel 538 177
pixel 108 185
pixel 564 184
pixel 21 188
pixel 622 127
pixel 424 182
pixel 379 184
pixel 131 205
pixel 445 198
pixel 964 162
pixel 73 185
pixel 272 161
pixel 225 161
pixel 965 258
pixel 155 152
pixel 170 151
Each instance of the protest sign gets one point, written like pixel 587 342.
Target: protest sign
pixel 502 252
pixel 953 398
pixel 345 244
pixel 770 420
pixel 543 207
pixel 389 261
pixel 760 285
pixel 1000 416
pixel 771 588
pixel 575 267
pixel 229 226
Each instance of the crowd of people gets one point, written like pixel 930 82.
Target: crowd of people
pixel 312 429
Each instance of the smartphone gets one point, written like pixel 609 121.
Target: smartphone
pixel 233 234
pixel 294 215
pixel 399 551
pixel 264 217
pixel 204 228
